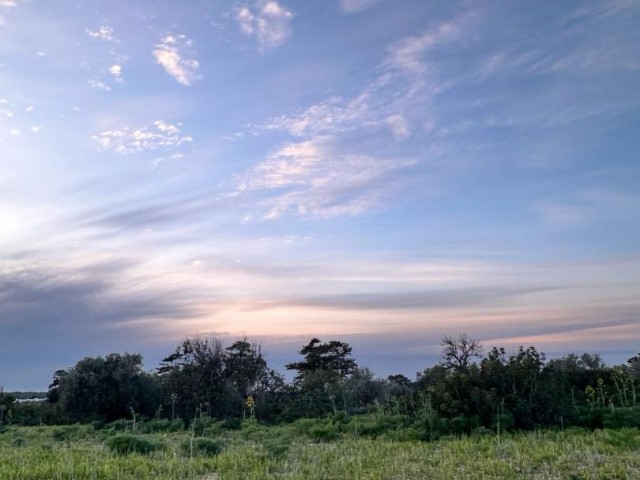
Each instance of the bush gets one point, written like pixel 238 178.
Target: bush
pixel 324 433
pixel 72 432
pixel 164 426
pixel 625 438
pixel 127 444
pixel 505 420
pixel 277 446
pixel 231 424
pixel 204 426
pixel 205 447
pixel 379 425
pixel 120 425
pixel 622 418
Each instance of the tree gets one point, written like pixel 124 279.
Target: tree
pixel 321 376
pixel 193 379
pixel 244 366
pixel 458 352
pixel 105 387
pixel 6 401
pixel 634 366
pixel 333 357
pixel 527 399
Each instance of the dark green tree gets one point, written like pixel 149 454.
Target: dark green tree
pixel 105 388
pixel 245 367
pixel 194 381
pixel 321 376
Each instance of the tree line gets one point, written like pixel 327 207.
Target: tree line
pixel 468 390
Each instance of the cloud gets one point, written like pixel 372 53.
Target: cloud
pixel 418 300
pixel 97 84
pixel 399 126
pixel 587 207
pixel 116 71
pixel 267 22
pixel 163 213
pixel 161 135
pixel 331 116
pixel 104 33
pixel 10 3
pixel 353 6
pixel 65 310
pixel 314 179
pixel 175 54
pixel 341 162
pixel 408 55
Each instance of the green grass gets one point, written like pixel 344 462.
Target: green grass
pixel 298 452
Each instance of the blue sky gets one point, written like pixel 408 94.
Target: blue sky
pixel 375 171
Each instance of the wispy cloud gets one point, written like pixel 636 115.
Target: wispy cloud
pixel 314 179
pixel 267 21
pixel 161 135
pixel 587 206
pixel 175 54
pixel 10 3
pixel 319 175
pixel 408 55
pixel 328 117
pixel 104 33
pixel 353 6
pixel 97 84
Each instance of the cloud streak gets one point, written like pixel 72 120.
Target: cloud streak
pixel 175 54
pixel 314 179
pixel 159 136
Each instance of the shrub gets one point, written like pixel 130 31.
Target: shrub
pixel 156 426
pixel 205 447
pixel 277 446
pixel 625 438
pixel 324 433
pixel 204 426
pixel 126 444
pixel 231 424
pixel 621 418
pixel 72 432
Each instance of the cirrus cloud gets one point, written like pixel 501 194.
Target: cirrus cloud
pixel 175 54
pixel 160 135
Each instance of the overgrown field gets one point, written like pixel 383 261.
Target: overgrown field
pixel 309 449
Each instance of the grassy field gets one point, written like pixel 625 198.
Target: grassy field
pixel 257 452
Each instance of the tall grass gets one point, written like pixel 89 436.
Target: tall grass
pixel 298 452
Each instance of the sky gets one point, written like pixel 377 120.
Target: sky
pixel 380 172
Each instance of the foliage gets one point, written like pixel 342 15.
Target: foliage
pixel 108 388
pixel 201 446
pixel 72 432
pixel 125 444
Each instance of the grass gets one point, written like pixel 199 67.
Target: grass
pixel 291 452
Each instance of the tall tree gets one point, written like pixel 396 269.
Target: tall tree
pixel 105 387
pixel 193 379
pixel 459 352
pixel 244 366
pixel 333 358
pixel 321 376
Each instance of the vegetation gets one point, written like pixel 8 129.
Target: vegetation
pixel 294 451
pixel 211 410
pixel 203 382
